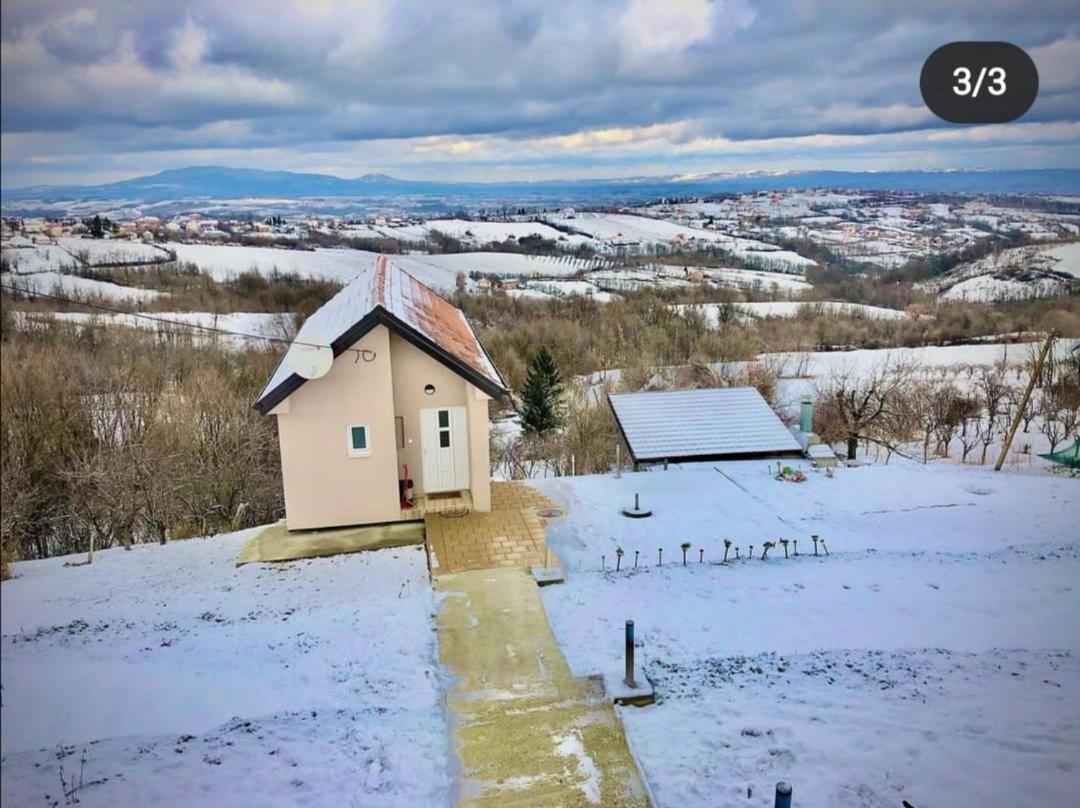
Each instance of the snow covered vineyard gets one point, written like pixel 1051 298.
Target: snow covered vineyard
pixel 931 656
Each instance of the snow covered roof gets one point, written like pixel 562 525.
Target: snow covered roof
pixel 700 425
pixel 388 295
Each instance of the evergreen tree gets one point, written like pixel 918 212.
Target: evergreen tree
pixel 541 396
pixel 97 229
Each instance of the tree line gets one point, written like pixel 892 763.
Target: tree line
pixel 111 436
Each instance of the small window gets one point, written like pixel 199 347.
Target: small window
pixel 358 441
pixel 444 438
pixel 444 419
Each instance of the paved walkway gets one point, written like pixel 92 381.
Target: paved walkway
pixel 510 535
pixel 525 730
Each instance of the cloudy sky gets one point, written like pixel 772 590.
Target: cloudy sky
pixel 513 89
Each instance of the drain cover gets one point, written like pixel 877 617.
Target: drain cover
pixel 550 513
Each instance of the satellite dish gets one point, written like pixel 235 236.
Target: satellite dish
pixel 311 357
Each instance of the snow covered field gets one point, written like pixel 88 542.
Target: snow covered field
pixel 753 279
pixel 342 265
pixel 571 289
pixel 223 261
pixel 622 228
pixel 69 253
pixel 187 681
pixel 74 286
pixel 931 657
pixel 27 259
pixel 800 371
pixel 792 308
pixel 102 252
pixel 501 264
pixel 481 233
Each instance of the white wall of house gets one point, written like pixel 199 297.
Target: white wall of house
pixel 326 485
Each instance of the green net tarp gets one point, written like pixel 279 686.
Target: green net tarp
pixel 1070 456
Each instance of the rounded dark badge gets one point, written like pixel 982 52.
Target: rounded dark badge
pixel 979 82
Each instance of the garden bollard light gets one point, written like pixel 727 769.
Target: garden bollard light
pixel 629 680
pixel 795 546
pixel 784 542
pixel 636 553
pixel 603 563
pixel 751 551
pixel 814 539
pixel 823 547
pixel 783 795
pixel 736 553
pixel 660 556
pixel 727 546
pixel 700 554
pixel 618 558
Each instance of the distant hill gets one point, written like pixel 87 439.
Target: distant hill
pixel 220 183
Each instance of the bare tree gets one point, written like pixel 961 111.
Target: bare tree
pixel 1051 425
pixel 969 435
pixel 853 406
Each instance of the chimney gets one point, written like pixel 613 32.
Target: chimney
pixel 806 416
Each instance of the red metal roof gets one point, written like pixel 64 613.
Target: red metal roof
pixel 412 307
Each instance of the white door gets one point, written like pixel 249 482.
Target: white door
pixel 444 444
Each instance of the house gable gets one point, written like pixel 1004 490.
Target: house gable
pixel 396 300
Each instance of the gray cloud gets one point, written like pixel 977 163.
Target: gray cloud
pixel 498 79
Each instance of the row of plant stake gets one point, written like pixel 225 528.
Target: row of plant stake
pixel 819 543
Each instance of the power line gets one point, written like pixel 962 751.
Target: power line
pixel 364 353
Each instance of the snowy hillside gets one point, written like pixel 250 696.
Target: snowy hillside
pixel 1014 274
pixel 618 230
pixel 74 286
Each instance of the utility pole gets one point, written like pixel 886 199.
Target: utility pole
pixel 1024 401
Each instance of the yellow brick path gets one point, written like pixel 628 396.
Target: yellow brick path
pixel 510 535
pixel 526 731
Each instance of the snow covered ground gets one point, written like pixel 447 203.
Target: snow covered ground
pixel 224 261
pixel 801 371
pixel 791 308
pixel 1013 274
pixel 184 680
pixel 932 656
pixel 27 259
pixel 342 265
pixel 573 288
pixel 481 233
pixel 501 264
pixel 103 252
pixel 622 228
pixel 69 253
pixel 74 286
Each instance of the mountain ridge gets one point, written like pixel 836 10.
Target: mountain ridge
pixel 224 182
